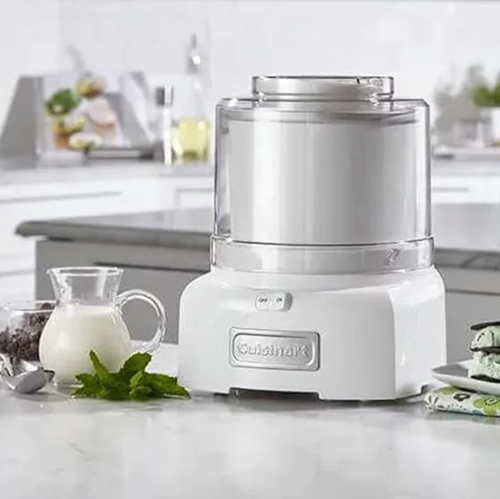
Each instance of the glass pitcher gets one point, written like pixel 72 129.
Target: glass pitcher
pixel 88 317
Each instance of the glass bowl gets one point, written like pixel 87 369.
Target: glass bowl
pixel 21 325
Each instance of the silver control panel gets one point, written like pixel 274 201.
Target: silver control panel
pixel 290 350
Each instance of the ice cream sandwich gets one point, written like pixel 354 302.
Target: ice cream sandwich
pixel 485 346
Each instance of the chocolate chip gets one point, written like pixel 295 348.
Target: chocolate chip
pixel 22 339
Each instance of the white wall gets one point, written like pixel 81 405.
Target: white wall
pixel 29 42
pixel 419 42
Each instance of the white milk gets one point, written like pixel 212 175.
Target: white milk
pixel 73 331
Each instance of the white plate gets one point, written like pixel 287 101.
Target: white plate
pixel 457 375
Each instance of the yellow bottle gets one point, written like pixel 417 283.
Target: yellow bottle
pixel 191 131
pixel 190 139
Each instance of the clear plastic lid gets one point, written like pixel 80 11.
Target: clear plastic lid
pixel 333 166
pixel 323 87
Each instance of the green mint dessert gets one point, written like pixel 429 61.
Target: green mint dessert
pixel 485 346
pixel 485 365
pixel 486 338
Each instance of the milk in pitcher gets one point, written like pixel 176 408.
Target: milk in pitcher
pixel 73 331
pixel 88 317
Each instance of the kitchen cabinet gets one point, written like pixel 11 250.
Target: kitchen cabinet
pixel 189 197
pixel 50 200
pixel 162 271
pixel 465 190
pixel 167 285
pixel 471 295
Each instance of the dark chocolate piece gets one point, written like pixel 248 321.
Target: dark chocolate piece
pixel 495 350
pixel 22 341
pixel 482 325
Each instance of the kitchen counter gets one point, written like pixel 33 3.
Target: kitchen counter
pixel 466 167
pixel 173 229
pixel 466 235
pixel 164 251
pixel 22 170
pixel 222 447
pixel 32 188
pixel 31 171
pixel 452 167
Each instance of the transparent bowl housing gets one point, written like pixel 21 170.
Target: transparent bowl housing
pixel 322 175
pixel 21 326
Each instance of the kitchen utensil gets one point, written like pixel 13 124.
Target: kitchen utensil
pixel 22 376
pixel 457 375
pixel 322 278
pixel 21 325
pixel 88 317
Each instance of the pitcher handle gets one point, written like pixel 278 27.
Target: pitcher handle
pixel 150 299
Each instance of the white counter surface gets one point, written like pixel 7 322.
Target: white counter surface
pixel 26 170
pixel 465 168
pixel 466 234
pixel 29 170
pixel 218 447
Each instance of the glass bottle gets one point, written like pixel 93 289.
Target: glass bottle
pixel 163 144
pixel 191 132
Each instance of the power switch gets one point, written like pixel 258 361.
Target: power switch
pixel 262 302
pixel 275 302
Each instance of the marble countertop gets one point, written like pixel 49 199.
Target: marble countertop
pixel 30 170
pixel 223 447
pixel 174 229
pixel 466 235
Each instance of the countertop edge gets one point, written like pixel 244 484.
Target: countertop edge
pixel 175 239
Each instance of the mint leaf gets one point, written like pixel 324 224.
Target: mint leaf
pixel 117 392
pixel 136 379
pixel 158 385
pixel 134 364
pixel 101 370
pixel 90 386
pixel 162 385
pixel 110 381
pixel 141 393
pixel 89 380
pixel 132 382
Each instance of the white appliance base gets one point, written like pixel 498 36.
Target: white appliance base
pixel 348 337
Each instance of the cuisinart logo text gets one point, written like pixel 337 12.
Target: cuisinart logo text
pixel 271 350
pixel 292 350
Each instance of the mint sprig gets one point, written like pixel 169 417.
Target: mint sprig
pixel 131 382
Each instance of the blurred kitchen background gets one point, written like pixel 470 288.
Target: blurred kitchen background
pixel 183 56
pixel 423 44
